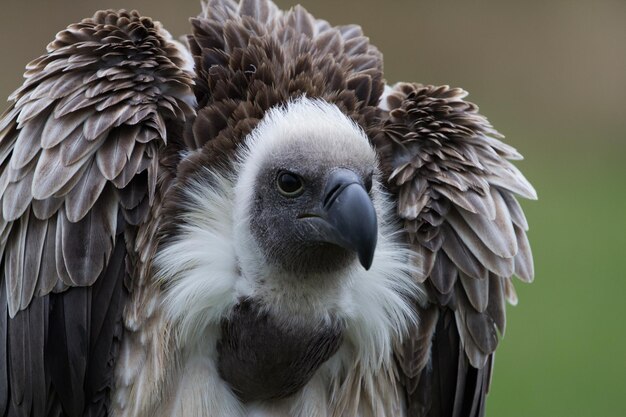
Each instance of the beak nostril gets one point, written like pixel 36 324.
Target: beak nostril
pixel 332 195
pixel 338 180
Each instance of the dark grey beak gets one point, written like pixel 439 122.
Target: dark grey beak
pixel 348 218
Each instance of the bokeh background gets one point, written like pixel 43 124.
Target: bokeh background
pixel 551 76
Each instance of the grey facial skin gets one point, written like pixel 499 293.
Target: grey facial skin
pixel 323 229
pixel 326 223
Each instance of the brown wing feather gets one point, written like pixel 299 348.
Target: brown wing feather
pixel 252 56
pixel 79 150
pixel 455 193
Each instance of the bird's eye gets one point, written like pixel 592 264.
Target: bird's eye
pixel 289 184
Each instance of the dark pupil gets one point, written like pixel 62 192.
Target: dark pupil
pixel 289 183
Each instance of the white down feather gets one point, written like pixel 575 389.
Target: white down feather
pixel 214 261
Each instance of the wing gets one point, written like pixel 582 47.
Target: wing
pixel 455 190
pixel 79 170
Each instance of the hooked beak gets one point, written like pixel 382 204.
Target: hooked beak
pixel 347 217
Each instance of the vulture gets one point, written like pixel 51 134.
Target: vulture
pixel 249 223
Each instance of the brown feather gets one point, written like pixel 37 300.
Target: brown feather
pixel 524 267
pixel 63 85
pixel 113 155
pixel 27 143
pixel 57 129
pixel 497 235
pixel 509 292
pixel 30 109
pixel 301 21
pixel 64 279
pixel 84 194
pixel 14 264
pixel 64 169
pixel 44 209
pixel 84 263
pixel 32 258
pixel 259 10
pixel 47 277
pixel 330 42
pixel 470 201
pixel 444 274
pixel 73 180
pixel 51 175
pixel 477 291
pixel 75 102
pixel 517 215
pixel 449 172
pixel 477 358
pixel 17 197
pixel 497 308
pixel 132 167
pixel 507 176
pixel 423 260
pixel 483 331
pixel 76 149
pixel 414 354
pixel 460 254
pixel 501 266
pixel 19 369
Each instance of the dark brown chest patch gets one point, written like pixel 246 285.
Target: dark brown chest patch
pixel 262 359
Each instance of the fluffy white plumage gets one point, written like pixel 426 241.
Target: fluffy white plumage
pixel 155 233
pixel 214 261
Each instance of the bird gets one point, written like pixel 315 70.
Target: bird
pixel 249 222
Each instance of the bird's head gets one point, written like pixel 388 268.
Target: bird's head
pixel 305 190
pixel 297 221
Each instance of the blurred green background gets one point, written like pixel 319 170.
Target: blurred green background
pixel 551 76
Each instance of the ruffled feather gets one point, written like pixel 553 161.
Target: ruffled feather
pixel 455 191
